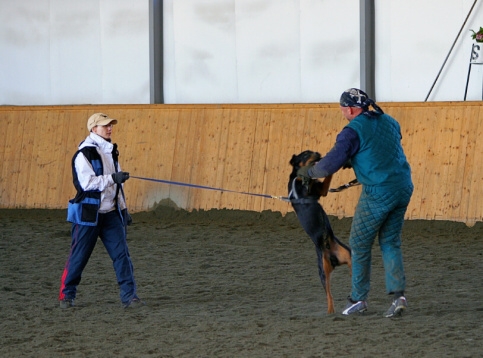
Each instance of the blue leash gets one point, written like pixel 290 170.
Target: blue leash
pixel 283 198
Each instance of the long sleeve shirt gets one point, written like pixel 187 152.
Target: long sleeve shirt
pixel 345 147
pixel 104 183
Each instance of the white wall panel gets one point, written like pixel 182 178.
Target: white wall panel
pixel 231 51
pixel 125 51
pixel 74 52
pixel 24 52
pixel 329 49
pixel 260 51
pixel 204 47
pixel 268 51
pixel 413 39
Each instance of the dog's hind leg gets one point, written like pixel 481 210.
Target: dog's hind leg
pixel 320 265
pixel 341 252
pixel 325 269
pixel 328 268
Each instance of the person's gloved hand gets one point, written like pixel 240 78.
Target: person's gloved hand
pixel 303 173
pixel 120 177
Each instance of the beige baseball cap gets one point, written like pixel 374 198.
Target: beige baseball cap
pixel 99 119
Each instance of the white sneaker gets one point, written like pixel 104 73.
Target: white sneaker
pixel 397 307
pixel 354 307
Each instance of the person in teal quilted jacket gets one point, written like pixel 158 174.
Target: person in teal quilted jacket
pixel 371 144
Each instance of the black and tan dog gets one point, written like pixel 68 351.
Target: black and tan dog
pixel 305 200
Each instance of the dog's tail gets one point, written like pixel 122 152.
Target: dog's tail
pixel 342 244
pixel 339 253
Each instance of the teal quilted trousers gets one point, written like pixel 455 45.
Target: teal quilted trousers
pixel 379 213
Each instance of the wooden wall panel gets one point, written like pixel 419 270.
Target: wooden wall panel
pixel 22 175
pixel 258 177
pixel 10 157
pixel 474 199
pixel 221 130
pixel 451 162
pixel 459 155
pixel 162 162
pixel 468 142
pixel 207 157
pixel 242 148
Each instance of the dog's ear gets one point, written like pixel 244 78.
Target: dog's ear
pixel 293 160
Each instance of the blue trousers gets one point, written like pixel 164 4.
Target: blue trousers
pixel 379 212
pixel 112 232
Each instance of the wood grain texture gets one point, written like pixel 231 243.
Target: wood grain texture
pixel 242 148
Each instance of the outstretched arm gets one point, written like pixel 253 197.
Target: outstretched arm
pixel 346 145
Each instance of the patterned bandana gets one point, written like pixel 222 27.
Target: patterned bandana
pixel 354 97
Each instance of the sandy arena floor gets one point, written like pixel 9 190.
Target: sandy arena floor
pixel 234 284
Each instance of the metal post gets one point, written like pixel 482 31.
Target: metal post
pixel 367 49
pixel 156 51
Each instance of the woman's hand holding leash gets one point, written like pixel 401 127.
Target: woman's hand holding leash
pixel 120 177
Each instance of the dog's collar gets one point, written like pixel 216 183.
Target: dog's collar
pixel 294 198
pixel 292 191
